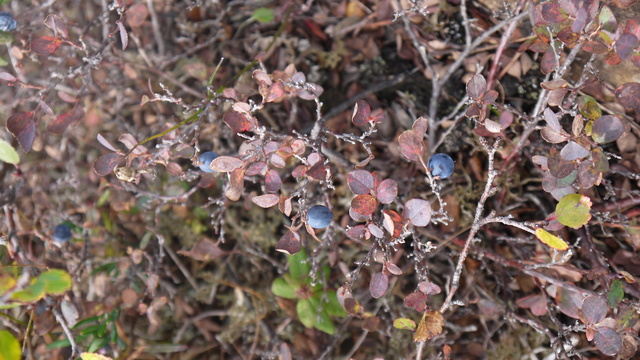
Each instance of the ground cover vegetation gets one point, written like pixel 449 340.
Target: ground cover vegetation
pixel 312 179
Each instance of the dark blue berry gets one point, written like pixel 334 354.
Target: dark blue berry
pixel 206 158
pixel 62 233
pixel 7 23
pixel 441 165
pixel 319 217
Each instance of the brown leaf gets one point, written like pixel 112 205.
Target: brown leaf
pixel 266 201
pixel 226 164
pixel 204 250
pixel 136 14
pixel 431 325
pixel 236 185
pixel 23 128
pixel 289 243
pixel 124 36
pixel 55 23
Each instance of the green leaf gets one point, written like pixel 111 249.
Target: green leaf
pixel 283 289
pixel 3 61
pixel 551 240
pixel 299 266
pixel 263 15
pixel 324 323
pixel 332 306
pixel 8 154
pixel 31 293
pixel 56 281
pixel 97 344
pixel 307 312
pixel 10 347
pixel 589 107
pixel 573 210
pixel 58 344
pixel 616 293
pixel 6 37
pixel 404 324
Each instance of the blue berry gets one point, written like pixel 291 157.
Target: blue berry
pixel 319 217
pixel 62 233
pixel 206 158
pixel 441 165
pixel 7 23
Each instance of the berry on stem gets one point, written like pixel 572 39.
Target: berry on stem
pixel 441 165
pixel 206 158
pixel 319 217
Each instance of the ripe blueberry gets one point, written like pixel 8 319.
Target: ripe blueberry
pixel 441 165
pixel 319 217
pixel 62 233
pixel 7 23
pixel 206 158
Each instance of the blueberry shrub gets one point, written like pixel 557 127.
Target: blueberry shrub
pixel 312 179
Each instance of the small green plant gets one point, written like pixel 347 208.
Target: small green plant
pixel 315 304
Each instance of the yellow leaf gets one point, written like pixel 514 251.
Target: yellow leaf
pixel 430 326
pixel 90 356
pixel 551 240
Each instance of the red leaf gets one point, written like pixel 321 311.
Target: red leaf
pixel 23 128
pixel 360 182
pixel 364 204
pixel 356 231
pixel 266 201
pixel 411 145
pixel 45 45
pixel 594 309
pixel 237 122
pixel 420 126
pixel 429 288
pixel 361 113
pixel 595 47
pixel 393 268
pixel 387 191
pixel 317 171
pixel 61 122
pixel 379 285
pixel 476 86
pixel 608 341
pixel 289 243
pixel 106 163
pixel 629 95
pixel 226 164
pixel 276 91
pixel 392 222
pixel 416 300
pixel 272 181
pixel 549 61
